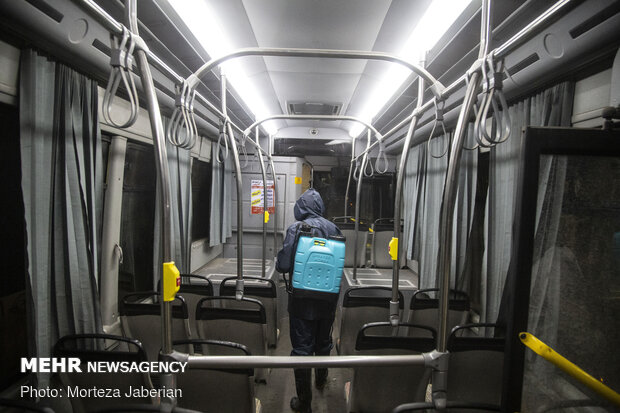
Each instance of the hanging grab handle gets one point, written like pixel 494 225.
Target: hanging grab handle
pixel 438 120
pixel 182 130
pixel 381 157
pixel 493 97
pixel 121 60
pixel 221 135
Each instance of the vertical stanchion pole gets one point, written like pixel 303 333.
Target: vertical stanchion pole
pixel 275 206
pixel 451 185
pixel 346 193
pixel 233 145
pixel 394 303
pixel 163 182
pixel 265 213
pixel 358 195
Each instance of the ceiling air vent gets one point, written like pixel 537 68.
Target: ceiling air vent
pixel 313 108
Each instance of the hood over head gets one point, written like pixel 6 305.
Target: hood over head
pixel 309 204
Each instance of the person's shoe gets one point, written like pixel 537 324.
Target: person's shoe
pixel 300 407
pixel 320 378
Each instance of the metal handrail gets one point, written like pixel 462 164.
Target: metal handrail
pixel 436 86
pixel 315 117
pixel 161 164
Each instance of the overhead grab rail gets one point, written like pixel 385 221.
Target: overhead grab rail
pixel 121 60
pixel 377 134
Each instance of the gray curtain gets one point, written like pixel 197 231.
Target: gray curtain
pixel 429 215
pixel 221 198
pixel 552 107
pixel 62 184
pixel 180 167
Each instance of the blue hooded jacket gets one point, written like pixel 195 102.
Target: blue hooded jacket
pixel 309 209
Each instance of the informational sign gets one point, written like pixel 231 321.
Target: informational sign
pixel 257 201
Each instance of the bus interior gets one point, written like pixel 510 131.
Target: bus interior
pixel 468 151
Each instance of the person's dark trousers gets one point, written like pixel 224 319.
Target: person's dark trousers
pixel 309 337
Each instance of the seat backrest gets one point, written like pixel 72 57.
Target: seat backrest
pixel 227 319
pixel 382 233
pixel 476 366
pixel 347 227
pixel 106 348
pixel 216 390
pixel 379 389
pixel 360 306
pixel 424 309
pixel 141 319
pixel 193 288
pixel 265 291
pixel 240 321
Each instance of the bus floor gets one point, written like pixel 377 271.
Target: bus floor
pixel 276 394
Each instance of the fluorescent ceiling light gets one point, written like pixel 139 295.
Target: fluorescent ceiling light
pixel 439 16
pixel 202 20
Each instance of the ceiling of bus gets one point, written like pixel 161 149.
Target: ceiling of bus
pixel 380 25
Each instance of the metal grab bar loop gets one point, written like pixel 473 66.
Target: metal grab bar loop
pixel 183 119
pixel 381 157
pixel 121 60
pixel 222 135
pixel 439 106
pixel 493 97
pixel 372 170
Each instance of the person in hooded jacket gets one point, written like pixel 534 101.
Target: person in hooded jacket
pixel 310 319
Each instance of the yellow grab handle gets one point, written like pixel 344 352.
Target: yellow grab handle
pixel 393 248
pixel 266 216
pixel 552 356
pixel 172 281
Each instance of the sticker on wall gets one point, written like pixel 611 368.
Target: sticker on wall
pixel 256 196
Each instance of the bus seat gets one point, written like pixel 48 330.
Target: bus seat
pixel 193 288
pixel 382 233
pixel 202 388
pixel 347 227
pixel 22 406
pixel 476 366
pixel 360 306
pixel 108 348
pixel 424 310
pixel 380 389
pixel 266 292
pixel 226 319
pixel 141 319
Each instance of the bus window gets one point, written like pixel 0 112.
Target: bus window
pixel 201 199
pixel 137 220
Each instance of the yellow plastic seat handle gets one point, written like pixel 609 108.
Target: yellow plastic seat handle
pixel 172 281
pixel 393 248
